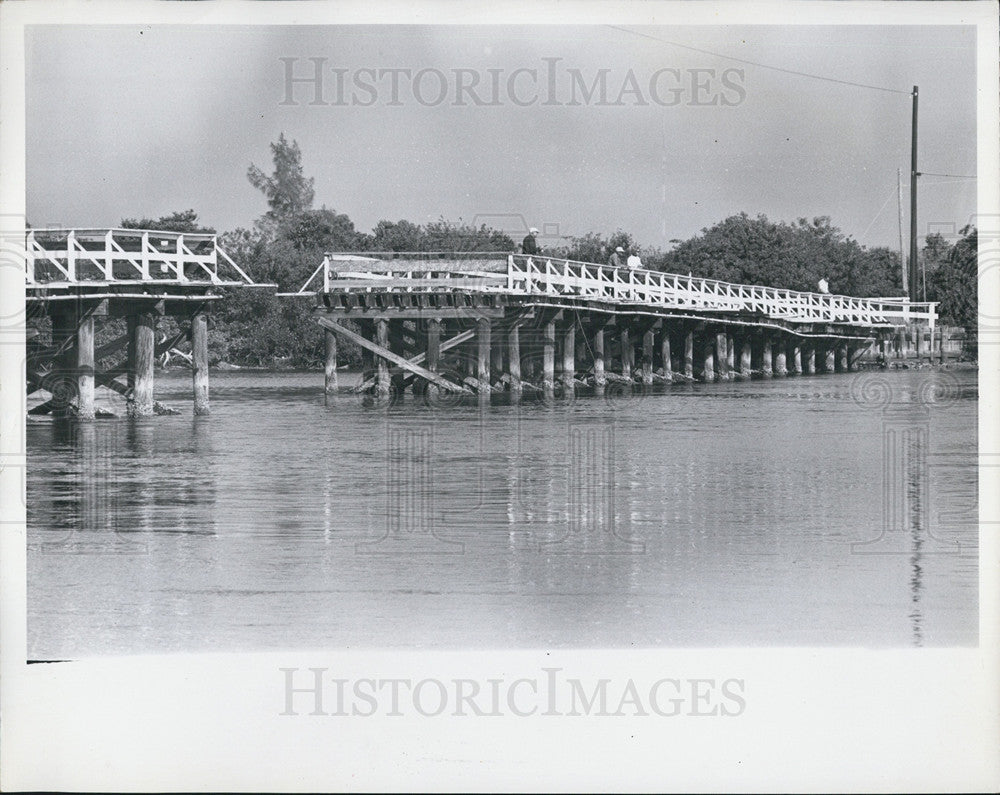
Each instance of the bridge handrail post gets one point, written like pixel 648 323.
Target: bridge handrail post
pixel 29 257
pixel 179 263
pixel 71 256
pixel 109 265
pixel 145 255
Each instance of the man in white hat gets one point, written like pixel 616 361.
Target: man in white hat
pixel 529 245
pixel 616 257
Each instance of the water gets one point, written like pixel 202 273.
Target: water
pixel 801 511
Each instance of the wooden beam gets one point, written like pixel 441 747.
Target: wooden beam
pixel 600 379
pixel 199 362
pixel 85 367
pixel 419 358
pixel 143 350
pixel 514 360
pixel 569 357
pixel 384 353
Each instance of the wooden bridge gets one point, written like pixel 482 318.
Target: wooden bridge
pixel 476 322
pixel 77 277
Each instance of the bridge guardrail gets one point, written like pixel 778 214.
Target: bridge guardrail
pixel 542 275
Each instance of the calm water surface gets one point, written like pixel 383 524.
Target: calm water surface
pixel 820 510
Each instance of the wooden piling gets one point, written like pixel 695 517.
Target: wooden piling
pixel 708 369
pixel 780 358
pixel 484 345
pixel 549 359
pixel 199 362
pixel 722 355
pixel 85 367
pixel 689 355
pixel 647 357
pixel 382 382
pixel 600 379
pixel 514 361
pixel 496 354
pixel 626 347
pixel 746 358
pixel 665 354
pixel 730 356
pixel 433 344
pixel 62 379
pixel 569 356
pixel 843 364
pixel 143 350
pixel 810 365
pixel 830 359
pixel 767 358
pixel 330 364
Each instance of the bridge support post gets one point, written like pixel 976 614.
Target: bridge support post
pixel 780 358
pixel 330 364
pixel 647 357
pixel 496 355
pixel 708 372
pixel 722 356
pixel 766 357
pixel 626 345
pixel 830 359
pixel 841 358
pixel 569 357
pixel 382 383
pixel 199 362
pixel 668 374
pixel 484 344
pixel 746 358
pixel 600 379
pixel 142 347
pixel 810 366
pixel 514 361
pixel 797 358
pixel 689 355
pixel 549 360
pixel 85 366
pixel 63 380
pixel 730 357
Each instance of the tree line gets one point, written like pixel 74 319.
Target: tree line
pixel 286 244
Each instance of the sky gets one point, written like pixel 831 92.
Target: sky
pixel 140 121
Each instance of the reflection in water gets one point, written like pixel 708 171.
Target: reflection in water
pixel 729 514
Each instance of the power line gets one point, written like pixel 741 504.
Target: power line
pixel 761 65
pixel 955 176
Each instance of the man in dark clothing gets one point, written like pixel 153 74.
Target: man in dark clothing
pixel 615 261
pixel 529 245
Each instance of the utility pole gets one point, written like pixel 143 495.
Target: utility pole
pixel 913 203
pixel 899 211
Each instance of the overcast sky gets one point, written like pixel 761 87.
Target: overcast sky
pixel 141 121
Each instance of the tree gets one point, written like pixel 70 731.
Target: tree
pixel 287 190
pixel 181 221
pixel 955 283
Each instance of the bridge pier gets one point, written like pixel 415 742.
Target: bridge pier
pixel 330 364
pixel 722 356
pixel 142 350
pixel 484 345
pixel 514 362
pixel 829 359
pixel 496 355
pixel 746 356
pixel 549 360
pixel 730 357
pixel 383 385
pixel 766 359
pixel 780 358
pixel 796 358
pixel 708 367
pixel 689 355
pixel 199 362
pixel 810 363
pixel 569 358
pixel 626 353
pixel 665 359
pixel 85 367
pixel 843 359
pixel 600 378
pixel 647 357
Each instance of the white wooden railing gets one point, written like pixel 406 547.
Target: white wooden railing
pixel 55 257
pixel 519 274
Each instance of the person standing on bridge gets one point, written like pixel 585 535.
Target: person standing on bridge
pixel 615 260
pixel 529 245
pixel 634 263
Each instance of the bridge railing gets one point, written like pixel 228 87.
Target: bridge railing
pixel 521 274
pixel 63 257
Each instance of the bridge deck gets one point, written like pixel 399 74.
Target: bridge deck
pixel 532 279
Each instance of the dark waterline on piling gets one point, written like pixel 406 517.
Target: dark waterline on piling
pixel 735 513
